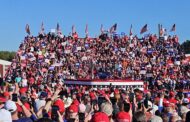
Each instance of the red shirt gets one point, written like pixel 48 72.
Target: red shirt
pixel 173 100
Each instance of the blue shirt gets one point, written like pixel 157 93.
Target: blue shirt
pixel 18 79
pixel 23 120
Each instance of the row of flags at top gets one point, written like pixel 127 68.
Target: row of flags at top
pixel 163 30
pixel 111 30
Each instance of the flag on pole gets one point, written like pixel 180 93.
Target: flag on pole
pixel 113 28
pixel 130 32
pixel 27 28
pixel 73 29
pixel 42 28
pixel 144 29
pixel 101 29
pixel 86 30
pixel 173 28
pixel 58 29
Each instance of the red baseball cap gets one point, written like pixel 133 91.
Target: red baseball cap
pixel 100 117
pixel 27 105
pixel 167 104
pixel 123 117
pixel 73 108
pixel 60 104
pixel 6 94
pixel 23 90
pixel 76 102
pixel 172 94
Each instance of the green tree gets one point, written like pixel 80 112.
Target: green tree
pixel 186 46
pixel 7 55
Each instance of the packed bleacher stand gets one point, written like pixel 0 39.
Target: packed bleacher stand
pixel 34 90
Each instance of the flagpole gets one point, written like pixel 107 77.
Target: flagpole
pixel 159 31
pixel 175 30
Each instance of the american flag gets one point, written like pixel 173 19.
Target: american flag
pixel 173 28
pixel 144 29
pixel 58 29
pixel 42 28
pixel 113 28
pixel 27 28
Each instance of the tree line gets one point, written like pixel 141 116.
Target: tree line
pixel 186 46
pixel 7 55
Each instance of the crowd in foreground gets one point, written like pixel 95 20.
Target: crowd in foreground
pixel 34 89
pixel 42 103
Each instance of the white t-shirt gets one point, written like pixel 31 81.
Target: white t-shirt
pixel 161 102
pixel 40 103
pixel 24 82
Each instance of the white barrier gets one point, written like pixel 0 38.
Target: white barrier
pixel 119 83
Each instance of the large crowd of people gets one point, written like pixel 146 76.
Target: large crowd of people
pixel 34 89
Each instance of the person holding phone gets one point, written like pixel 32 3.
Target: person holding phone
pixel 14 97
pixel 54 113
pixel 82 113
pixel 55 110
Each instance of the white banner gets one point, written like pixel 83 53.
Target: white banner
pixel 123 49
pixel 67 51
pixel 78 48
pixel 105 83
pixel 63 43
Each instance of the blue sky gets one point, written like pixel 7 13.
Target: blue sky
pixel 15 14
